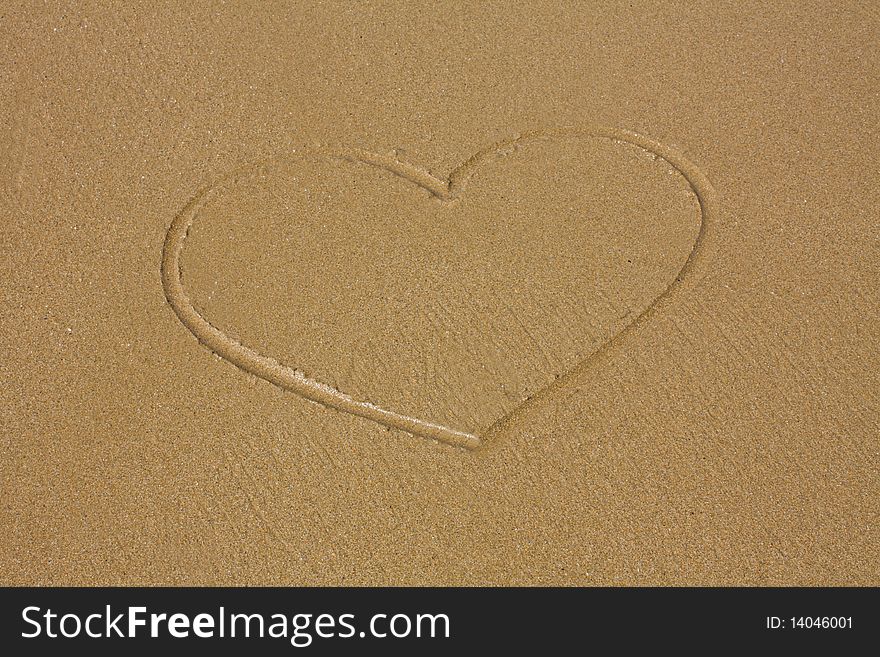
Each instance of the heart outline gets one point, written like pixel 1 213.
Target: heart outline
pixel 449 189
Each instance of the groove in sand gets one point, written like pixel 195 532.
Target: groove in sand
pixel 447 190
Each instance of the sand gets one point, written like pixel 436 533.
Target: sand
pixel 489 294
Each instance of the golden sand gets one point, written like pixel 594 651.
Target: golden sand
pixel 489 294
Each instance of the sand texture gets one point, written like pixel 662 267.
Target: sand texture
pixel 462 293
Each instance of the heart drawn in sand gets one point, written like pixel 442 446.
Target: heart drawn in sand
pixel 449 190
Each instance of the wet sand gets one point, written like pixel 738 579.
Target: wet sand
pixel 489 295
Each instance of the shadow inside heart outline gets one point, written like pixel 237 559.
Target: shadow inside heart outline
pixel 449 189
